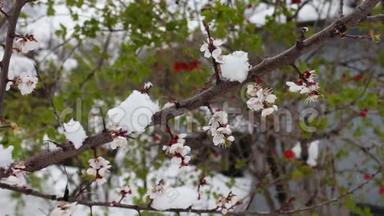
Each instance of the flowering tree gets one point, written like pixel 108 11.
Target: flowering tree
pixel 191 107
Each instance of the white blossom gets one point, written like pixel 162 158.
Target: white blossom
pixel 261 99
pixel 118 141
pixel 177 149
pixel 148 85
pixel 75 133
pixel 235 66
pixel 99 168
pixel 216 50
pixel 226 203
pixel 220 129
pixel 306 85
pixel 25 44
pixel 124 191
pixel 22 75
pixel 6 156
pixel 157 190
pixel 26 83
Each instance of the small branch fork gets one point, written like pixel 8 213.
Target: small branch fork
pixel 211 47
pixel 281 211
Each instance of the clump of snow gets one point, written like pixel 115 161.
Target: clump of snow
pixel 6 156
pixel 75 133
pixel 164 197
pixel 134 114
pixel 313 153
pixel 235 66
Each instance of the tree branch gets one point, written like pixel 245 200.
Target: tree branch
pixel 44 159
pixel 269 64
pixel 375 18
pixel 13 18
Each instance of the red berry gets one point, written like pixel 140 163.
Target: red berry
pixel 296 1
pixel 367 176
pixel 357 77
pixel 381 190
pixel 289 154
pixel 363 113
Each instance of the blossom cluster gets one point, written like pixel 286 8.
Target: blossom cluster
pixel 20 76
pixel 212 49
pixel 119 139
pixel 306 85
pixel 24 81
pixel 261 99
pixel 226 203
pixel 220 129
pixel 99 167
pixel 25 44
pixel 177 149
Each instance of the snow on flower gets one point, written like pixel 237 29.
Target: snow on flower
pixel 75 133
pixel 157 190
pixel 177 149
pixel 62 209
pixel 25 44
pixel 220 129
pixel 22 74
pixel 235 66
pixel 261 99
pixel 226 203
pixel 313 153
pixel 164 197
pixel 6 156
pixel 99 167
pixel 134 114
pixel 213 50
pixel 306 85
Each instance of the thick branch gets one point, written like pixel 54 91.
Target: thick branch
pixel 44 159
pixel 287 57
pixel 13 17
pixel 269 64
pixel 375 18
